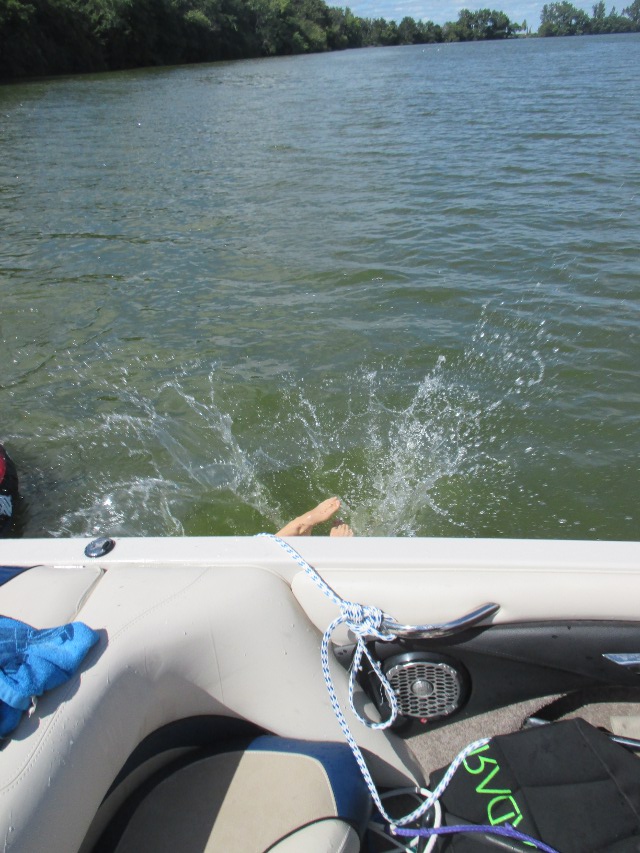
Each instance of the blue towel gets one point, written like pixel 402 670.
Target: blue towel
pixel 32 661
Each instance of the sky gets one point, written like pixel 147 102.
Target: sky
pixel 441 11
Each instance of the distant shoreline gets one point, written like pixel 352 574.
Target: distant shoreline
pixel 52 37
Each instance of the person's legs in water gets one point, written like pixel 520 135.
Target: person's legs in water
pixel 304 524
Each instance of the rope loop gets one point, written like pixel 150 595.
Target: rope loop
pixel 365 622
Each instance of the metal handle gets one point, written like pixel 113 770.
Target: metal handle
pixel 433 632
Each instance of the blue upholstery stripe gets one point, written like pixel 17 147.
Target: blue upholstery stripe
pixel 9 572
pixel 353 801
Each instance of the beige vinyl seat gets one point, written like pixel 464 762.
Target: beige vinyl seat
pixel 44 596
pixel 274 794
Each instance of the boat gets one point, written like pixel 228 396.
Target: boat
pixel 224 666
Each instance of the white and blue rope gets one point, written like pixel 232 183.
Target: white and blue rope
pixel 366 622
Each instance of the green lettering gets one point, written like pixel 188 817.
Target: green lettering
pixel 505 817
pixel 483 761
pixel 482 789
pixel 504 795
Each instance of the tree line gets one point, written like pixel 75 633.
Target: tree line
pixel 41 37
pixel 563 19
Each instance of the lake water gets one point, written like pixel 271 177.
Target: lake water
pixel 406 276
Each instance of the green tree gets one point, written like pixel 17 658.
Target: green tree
pixel 40 37
pixel 16 28
pixel 15 13
pixel 462 29
pixel 411 31
pixel 619 23
pixel 480 25
pixel 430 32
pixel 381 32
pixel 408 31
pixel 563 19
pixel 499 26
pixel 276 26
pixel 345 29
pixel 633 13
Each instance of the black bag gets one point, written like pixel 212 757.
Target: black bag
pixel 566 784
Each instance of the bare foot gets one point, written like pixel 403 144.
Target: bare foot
pixel 304 524
pixel 340 528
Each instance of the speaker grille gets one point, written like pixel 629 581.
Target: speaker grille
pixel 425 689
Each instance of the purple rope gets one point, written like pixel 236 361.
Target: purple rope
pixel 507 831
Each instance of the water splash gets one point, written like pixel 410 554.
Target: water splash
pixel 387 458
pixel 409 454
pixel 157 448
pixel 188 449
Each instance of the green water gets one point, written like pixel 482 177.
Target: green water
pixel 406 276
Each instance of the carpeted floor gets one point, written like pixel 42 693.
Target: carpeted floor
pixel 439 746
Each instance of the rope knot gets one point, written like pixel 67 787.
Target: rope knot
pixel 363 620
